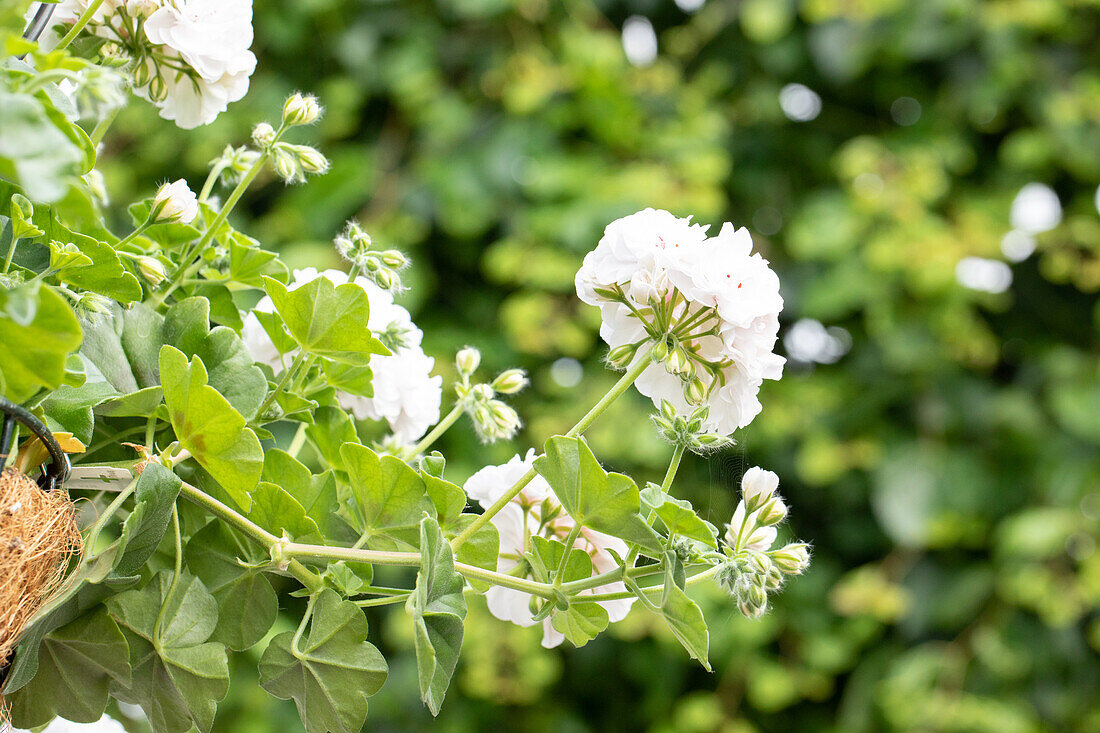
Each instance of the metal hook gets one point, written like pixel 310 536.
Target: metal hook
pixel 39 23
pixel 55 474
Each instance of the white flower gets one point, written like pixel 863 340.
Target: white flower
pixel 211 38
pixel 725 298
pixel 175 202
pixel 406 395
pixel 744 532
pixel 522 517
pixel 758 486
pixel 106 724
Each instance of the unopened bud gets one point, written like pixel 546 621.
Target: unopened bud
pixel 482 392
pixel 152 270
pixel 311 159
pixel 621 356
pixel 142 74
pixel 773 512
pixel 695 392
pixel 792 559
pixel 301 109
pixel 175 202
pixel 678 361
pixel 286 165
pixel 467 360
pixel 660 351
pixel 263 135
pixel 387 280
pixel 510 381
pixel 394 259
pixel 113 54
pixel 158 89
pixel 506 419
pixel 758 487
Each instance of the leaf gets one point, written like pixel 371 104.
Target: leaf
pixel 580 622
pixel 330 431
pixel 155 494
pixel 104 273
pixel 208 426
pixel 329 672
pixel 684 618
pixel 679 516
pixel 75 665
pixel 249 264
pixel 356 380
pixel 233 371
pixel 481 550
pixel 34 354
pixel 607 502
pixel 69 409
pixel 34 153
pixel 438 610
pixel 274 509
pixel 449 499
pixel 327 320
pixel 317 494
pixel 388 498
pixel 136 404
pixel 247 604
pixel 178 676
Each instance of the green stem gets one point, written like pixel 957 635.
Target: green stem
pixel 673 466
pixel 366 603
pixel 641 362
pixel 299 440
pixel 440 428
pixel 81 21
pixel 94 531
pixel 11 255
pixel 302 624
pixel 619 595
pixel 571 540
pixel 208 185
pixel 130 237
pixel 287 374
pixel 178 571
pixel 102 126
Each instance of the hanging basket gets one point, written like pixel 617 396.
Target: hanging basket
pixel 38 529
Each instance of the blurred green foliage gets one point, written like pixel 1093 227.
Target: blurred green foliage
pixel 946 468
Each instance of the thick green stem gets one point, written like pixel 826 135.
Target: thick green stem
pixel 11 255
pixel 287 375
pixel 102 126
pixel 673 466
pixel 616 391
pixel 81 21
pixel 178 571
pixel 571 540
pixel 440 428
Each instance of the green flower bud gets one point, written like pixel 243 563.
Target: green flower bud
pixel 311 159
pixel 792 559
pixel 152 270
pixel 695 392
pixel 621 356
pixel 660 351
pixel 394 259
pixel 301 109
pixel 510 381
pixel 285 165
pixel 263 135
pixel 467 361
pixel 158 89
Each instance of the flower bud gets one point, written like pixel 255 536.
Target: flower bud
pixel 263 135
pixel 114 55
pixel 510 381
pixel 792 559
pixel 175 202
pixel 89 303
pixel 301 109
pixel 660 351
pixel 97 186
pixel 137 8
pixel 711 442
pixel 286 165
pixel 311 159
pixel 482 392
pixel 394 259
pixel 506 418
pixel 621 356
pixel 678 361
pixel 668 410
pixel 387 280
pixel 773 512
pixel 467 360
pixel 158 89
pixel 695 392
pixel 142 74
pixel 152 270
pixel 757 487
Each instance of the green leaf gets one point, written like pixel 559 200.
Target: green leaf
pixel 69 409
pixel 75 665
pixel 580 622
pixel 604 501
pixel 481 550
pixel 356 380
pixel 438 611
pixel 233 371
pixel 247 604
pixel 178 676
pixel 155 494
pixel 330 672
pixel 316 494
pixel 678 515
pixel 449 499
pixel 274 509
pixel 208 426
pixel 34 354
pixel 330 431
pixel 34 153
pixel 327 320
pixel 387 498
pixel 136 404
pixel 104 272
pixel 684 618
pixel 249 264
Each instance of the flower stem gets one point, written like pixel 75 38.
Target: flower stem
pixel 81 21
pixel 11 255
pixel 102 126
pixel 177 571
pixel 440 428
pixel 298 360
pixel 673 466
pixel 641 362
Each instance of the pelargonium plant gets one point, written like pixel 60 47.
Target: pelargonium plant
pixel 216 448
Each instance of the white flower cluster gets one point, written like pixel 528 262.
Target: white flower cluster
pixel 710 304
pixel 754 569
pixel 191 58
pixel 406 395
pixel 536 511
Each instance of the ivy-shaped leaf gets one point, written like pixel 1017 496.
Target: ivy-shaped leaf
pixel 208 426
pixel 438 611
pixel 580 622
pixel 317 494
pixel 387 498
pixel 247 604
pixel 274 509
pixel 678 515
pixel 154 494
pixel 75 666
pixel 604 501
pixel 330 431
pixel 684 618
pixel 104 273
pixel 178 676
pixel 329 672
pixel 35 353
pixel 327 320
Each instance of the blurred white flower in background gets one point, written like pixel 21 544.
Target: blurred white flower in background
pixel 979 273
pixel 639 41
pixel 799 103
pixel 1035 209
